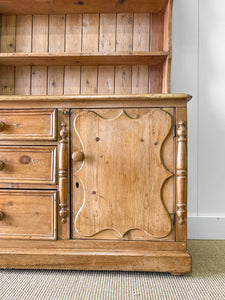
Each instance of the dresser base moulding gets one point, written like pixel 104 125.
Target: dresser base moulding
pixel 85 259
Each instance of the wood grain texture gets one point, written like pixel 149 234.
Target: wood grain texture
pixel 155 261
pixel 28 214
pixel 95 101
pixel 77 58
pixel 69 6
pixel 8 44
pixel 39 44
pixel 28 164
pixel 102 181
pixel 8 33
pixel 36 125
pixel 181 180
pixel 64 174
pixel 83 40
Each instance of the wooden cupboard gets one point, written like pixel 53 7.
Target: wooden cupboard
pixel 93 147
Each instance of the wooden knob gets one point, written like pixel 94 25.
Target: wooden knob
pixel 1 165
pixel 2 126
pixel 1 215
pixel 78 156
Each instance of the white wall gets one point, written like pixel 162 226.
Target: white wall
pixel 198 68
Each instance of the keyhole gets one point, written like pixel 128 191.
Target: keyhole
pixel 77 185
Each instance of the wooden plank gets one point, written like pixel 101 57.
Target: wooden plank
pixel 56 44
pixel 23 33
pixel 155 79
pixel 22 80
pixel 124 32
pixel 89 81
pixel 96 244
pixel 69 6
pixel 7 82
pixel 40 44
pixel 157 32
pixel 23 44
pixel 55 80
pixel 40 33
pixel 124 42
pixel 106 80
pixel 107 44
pixel 94 101
pixel 72 80
pixel 8 34
pixel 141 32
pixel 107 34
pixel 140 81
pixel 8 44
pixel 73 32
pixel 89 75
pixel 56 33
pixel 39 81
pixel 141 38
pixel 90 32
pixel 177 262
pixel 123 80
pixel 73 43
pixel 77 58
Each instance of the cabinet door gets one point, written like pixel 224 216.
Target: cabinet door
pixel 123 174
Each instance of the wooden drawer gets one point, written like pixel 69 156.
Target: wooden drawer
pixel 24 164
pixel 28 214
pixel 28 124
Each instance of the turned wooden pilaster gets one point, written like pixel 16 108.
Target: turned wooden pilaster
pixel 181 172
pixel 63 173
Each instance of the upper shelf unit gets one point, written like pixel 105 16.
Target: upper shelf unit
pixel 23 7
pixel 85 47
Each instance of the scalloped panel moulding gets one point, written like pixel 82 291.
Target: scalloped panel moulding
pixel 123 184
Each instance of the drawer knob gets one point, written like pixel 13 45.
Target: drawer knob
pixel 78 156
pixel 2 126
pixel 1 215
pixel 1 165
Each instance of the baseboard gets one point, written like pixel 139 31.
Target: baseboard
pixel 206 228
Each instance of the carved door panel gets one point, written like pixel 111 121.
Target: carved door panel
pixel 123 174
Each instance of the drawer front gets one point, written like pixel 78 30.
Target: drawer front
pixel 28 214
pixel 24 164
pixel 28 124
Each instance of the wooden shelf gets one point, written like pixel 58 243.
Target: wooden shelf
pixel 76 59
pixel 95 101
pixel 24 7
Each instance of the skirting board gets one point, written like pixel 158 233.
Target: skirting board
pixel 206 228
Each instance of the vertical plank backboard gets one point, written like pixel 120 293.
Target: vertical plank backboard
pixel 39 44
pixel 141 43
pixel 8 34
pixel 89 74
pixel 8 44
pixel 107 43
pixel 73 43
pixel 124 42
pixel 23 44
pixel 56 44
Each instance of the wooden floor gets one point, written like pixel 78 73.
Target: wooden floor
pixel 207 281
